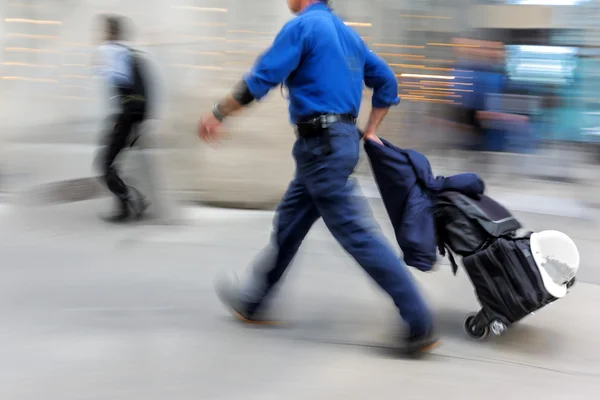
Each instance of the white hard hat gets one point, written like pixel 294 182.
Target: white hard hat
pixel 557 259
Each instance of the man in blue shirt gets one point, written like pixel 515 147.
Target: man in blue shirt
pixel 117 64
pixel 323 63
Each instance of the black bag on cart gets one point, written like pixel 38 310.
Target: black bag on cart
pixel 466 225
pixel 507 280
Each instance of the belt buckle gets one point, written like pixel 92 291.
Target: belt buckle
pixel 327 119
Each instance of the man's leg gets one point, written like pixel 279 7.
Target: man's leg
pixel 118 139
pixel 116 142
pixel 327 179
pixel 137 200
pixel 295 216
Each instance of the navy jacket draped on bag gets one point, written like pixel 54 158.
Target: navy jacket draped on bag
pixel 408 190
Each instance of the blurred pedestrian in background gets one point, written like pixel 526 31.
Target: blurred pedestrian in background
pixel 323 63
pixel 122 70
pixel 483 119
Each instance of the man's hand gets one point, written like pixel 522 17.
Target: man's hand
pixel 375 118
pixel 371 135
pixel 210 128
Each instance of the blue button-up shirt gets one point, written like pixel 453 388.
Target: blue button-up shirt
pixel 323 63
pixel 116 67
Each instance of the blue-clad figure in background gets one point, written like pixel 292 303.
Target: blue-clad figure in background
pixel 120 67
pixel 324 64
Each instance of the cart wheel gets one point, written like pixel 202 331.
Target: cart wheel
pixel 475 332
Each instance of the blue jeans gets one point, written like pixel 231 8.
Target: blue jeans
pixel 322 188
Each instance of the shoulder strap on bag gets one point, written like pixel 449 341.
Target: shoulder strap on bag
pixel 446 252
pixel 443 248
pixel 452 261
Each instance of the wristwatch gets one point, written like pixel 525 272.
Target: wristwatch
pixel 216 110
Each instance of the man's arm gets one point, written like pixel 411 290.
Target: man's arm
pixel 380 77
pixel 240 97
pixel 270 70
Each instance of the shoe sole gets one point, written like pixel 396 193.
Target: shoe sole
pixel 245 320
pixel 426 348
pixel 224 297
pixel 429 347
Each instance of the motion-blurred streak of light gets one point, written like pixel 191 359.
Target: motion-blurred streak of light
pixel 448 83
pixel 24 64
pixel 30 36
pixel 449 89
pixel 32 21
pixel 453 45
pixel 402 46
pixel 440 69
pixel 417 66
pixel 74 76
pixel 443 83
pixel 27 50
pixel 239 63
pixel 26 79
pixel 402 55
pixel 427 76
pixel 432 60
pixel 422 67
pixel 427 100
pixel 359 24
pixel 245 52
pixel 427 93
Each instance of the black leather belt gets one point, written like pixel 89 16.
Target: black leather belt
pixel 317 125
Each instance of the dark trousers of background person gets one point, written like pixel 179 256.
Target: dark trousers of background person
pixel 322 189
pixel 118 138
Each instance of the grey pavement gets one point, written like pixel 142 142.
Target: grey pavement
pixel 101 312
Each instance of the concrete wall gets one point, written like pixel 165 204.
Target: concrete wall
pixel 200 49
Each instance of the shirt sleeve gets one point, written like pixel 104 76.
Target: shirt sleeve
pixel 380 77
pixel 278 62
pixel 117 69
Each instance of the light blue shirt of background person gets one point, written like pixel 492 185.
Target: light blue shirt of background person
pixel 116 65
